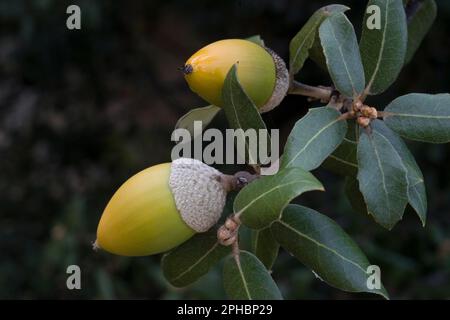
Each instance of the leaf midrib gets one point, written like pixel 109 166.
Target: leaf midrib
pixel 411 115
pixel 251 160
pixel 311 140
pixel 242 275
pixel 319 244
pixel 196 263
pixel 270 191
pixel 343 59
pixel 344 161
pixel 383 178
pixel 380 57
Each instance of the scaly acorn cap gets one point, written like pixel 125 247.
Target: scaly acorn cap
pixel 281 84
pixel 261 72
pixel 161 207
pixel 199 194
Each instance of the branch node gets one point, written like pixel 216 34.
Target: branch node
pixel 227 234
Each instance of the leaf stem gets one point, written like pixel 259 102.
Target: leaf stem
pixel 237 181
pixel 236 250
pixel 383 114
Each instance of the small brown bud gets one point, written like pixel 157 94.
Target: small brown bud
pixel 363 122
pixel 223 234
pixel 365 111
pixel 230 224
pixel 357 106
pixel 229 241
pixel 369 112
pixel 373 113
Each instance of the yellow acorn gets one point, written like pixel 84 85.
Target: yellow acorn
pixel 261 72
pixel 161 207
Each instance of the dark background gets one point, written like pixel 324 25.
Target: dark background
pixel 81 111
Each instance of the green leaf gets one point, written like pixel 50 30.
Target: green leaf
pixel 316 54
pixel 193 259
pixel 355 196
pixel 248 279
pixel 256 39
pixel 383 50
pixel 421 117
pixel 205 114
pixel 416 186
pixel 421 15
pixel 241 111
pixel 265 247
pixel 314 138
pixel 382 179
pixel 340 47
pixel 322 245
pixel 262 201
pixel 343 160
pixel 302 42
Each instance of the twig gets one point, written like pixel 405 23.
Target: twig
pixel 319 93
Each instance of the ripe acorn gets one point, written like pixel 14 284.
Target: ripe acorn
pixel 261 72
pixel 161 207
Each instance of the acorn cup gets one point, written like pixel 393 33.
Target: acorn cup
pixel 161 207
pixel 260 71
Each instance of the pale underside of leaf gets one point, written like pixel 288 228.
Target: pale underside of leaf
pixel 256 39
pixel 204 114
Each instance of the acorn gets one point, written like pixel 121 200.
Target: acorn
pixel 260 71
pixel 161 207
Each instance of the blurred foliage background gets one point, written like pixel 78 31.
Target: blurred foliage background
pixel 81 111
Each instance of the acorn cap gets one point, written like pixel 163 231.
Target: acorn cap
pixel 281 84
pixel 198 193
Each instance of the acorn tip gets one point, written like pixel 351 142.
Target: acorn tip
pixel 95 245
pixel 186 69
